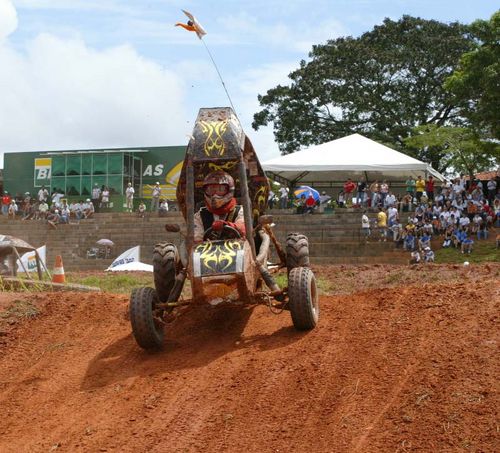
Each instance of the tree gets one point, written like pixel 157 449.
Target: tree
pixel 476 82
pixel 463 151
pixel 381 84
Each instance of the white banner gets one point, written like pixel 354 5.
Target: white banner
pixel 29 260
pixel 128 256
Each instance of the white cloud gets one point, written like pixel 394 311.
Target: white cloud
pixel 62 94
pixel 8 19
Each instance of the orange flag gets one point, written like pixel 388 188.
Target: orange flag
pixel 192 25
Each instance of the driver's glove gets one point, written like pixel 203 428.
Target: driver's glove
pixel 218 225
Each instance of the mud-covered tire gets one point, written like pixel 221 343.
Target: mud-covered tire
pixel 148 332
pixel 297 251
pixel 303 298
pixel 165 267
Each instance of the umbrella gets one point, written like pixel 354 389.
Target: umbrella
pixel 306 190
pixel 136 266
pixel 107 242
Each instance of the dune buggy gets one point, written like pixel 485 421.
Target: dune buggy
pixel 234 270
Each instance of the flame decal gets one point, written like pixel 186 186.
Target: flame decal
pixel 218 257
pixel 225 167
pixel 214 144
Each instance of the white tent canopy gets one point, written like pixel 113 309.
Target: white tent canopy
pixel 353 157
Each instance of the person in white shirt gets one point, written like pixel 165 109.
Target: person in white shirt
pixel 96 196
pixel 43 194
pixel 129 196
pixel 365 226
pixel 283 197
pixel 105 198
pixel 155 197
pixel 464 222
pixel 88 209
pixel 43 209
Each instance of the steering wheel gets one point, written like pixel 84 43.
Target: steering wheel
pixel 227 231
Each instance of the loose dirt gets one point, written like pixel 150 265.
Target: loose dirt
pixel 403 359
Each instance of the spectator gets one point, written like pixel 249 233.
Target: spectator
pixel 64 212
pixel 390 200
pixel 283 197
pixel 5 203
pixel 419 188
pixel 43 210
pixel 56 198
pixel 270 199
pixel 382 224
pixel 96 197
pixel 415 257
pixel 407 203
pixel 301 204
pixel 492 190
pixel 87 209
pixel 349 187
pixel 429 188
pixel 141 210
pixel 129 196
pixel 310 204
pixel 374 190
pixel 323 201
pixel 384 191
pixel 365 226
pixel 392 215
pixel 163 209
pixel 76 210
pixel 105 198
pixel 361 195
pixel 341 199
pixel 155 197
pixel 53 218
pixel 448 235
pixel 43 194
pixel 482 232
pixel 467 243
pixel 409 241
pixel 428 255
pixel 410 186
pixel 397 233
pixel 12 210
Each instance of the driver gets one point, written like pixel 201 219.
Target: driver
pixel 220 208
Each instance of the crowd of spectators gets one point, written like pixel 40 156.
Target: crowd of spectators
pixel 51 208
pixel 457 214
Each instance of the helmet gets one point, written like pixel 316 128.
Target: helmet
pixel 216 195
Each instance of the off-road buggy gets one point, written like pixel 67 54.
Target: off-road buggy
pixel 233 270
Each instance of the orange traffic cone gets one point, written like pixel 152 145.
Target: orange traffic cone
pixel 58 273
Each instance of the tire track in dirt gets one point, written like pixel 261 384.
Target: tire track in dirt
pixel 385 370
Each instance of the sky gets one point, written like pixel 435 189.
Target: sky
pixel 78 74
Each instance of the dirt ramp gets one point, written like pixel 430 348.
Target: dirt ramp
pixel 400 369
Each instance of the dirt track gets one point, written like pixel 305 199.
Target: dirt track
pixel 401 368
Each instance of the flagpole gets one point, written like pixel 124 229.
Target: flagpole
pixel 220 76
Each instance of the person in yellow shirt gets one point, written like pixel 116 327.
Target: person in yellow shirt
pixel 382 224
pixel 419 188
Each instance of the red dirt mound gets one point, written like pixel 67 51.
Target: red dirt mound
pixel 408 368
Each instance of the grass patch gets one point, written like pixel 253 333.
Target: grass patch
pixel 20 309
pixel 482 252
pixel 113 283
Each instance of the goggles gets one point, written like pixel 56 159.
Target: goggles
pixel 216 189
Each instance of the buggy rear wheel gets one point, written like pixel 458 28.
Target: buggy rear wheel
pixel 297 251
pixel 165 267
pixel 303 298
pixel 145 319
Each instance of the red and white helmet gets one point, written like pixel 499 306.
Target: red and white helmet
pixel 219 189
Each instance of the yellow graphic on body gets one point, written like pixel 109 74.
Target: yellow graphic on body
pixel 214 144
pixel 218 255
pixel 225 167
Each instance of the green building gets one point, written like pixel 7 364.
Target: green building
pixel 76 172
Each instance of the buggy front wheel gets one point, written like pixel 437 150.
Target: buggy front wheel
pixel 303 298
pixel 146 319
